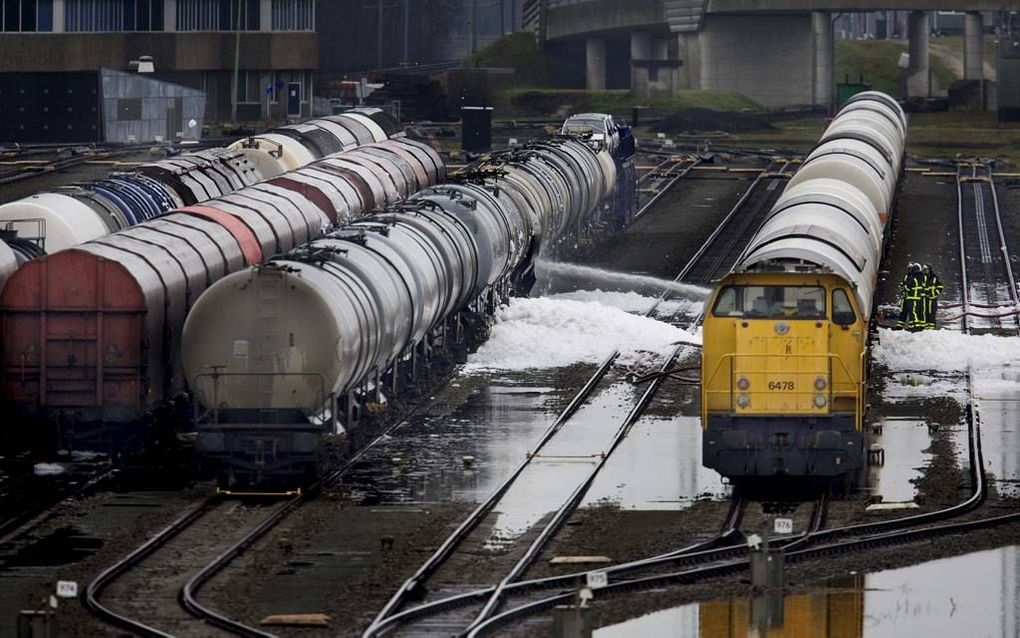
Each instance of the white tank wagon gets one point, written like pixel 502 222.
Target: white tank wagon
pixel 74 215
pixel 290 147
pixel 139 283
pixel 286 355
pixel 833 214
pixel 863 146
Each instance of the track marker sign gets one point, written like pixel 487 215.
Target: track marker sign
pixel 67 589
pixel 784 526
pixel 597 580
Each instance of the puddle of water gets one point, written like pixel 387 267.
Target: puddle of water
pixel 998 394
pixel 561 465
pixel 657 467
pixel 61 547
pixel 981 599
pixel 904 440
pixel 496 426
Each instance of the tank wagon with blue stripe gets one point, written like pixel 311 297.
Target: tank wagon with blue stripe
pixel 91 334
pixel 76 214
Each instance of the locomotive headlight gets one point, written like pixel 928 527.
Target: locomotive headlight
pixel 743 383
pixel 820 401
pixel 744 401
pixel 821 384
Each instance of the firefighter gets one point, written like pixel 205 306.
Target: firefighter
pixel 912 306
pixel 932 291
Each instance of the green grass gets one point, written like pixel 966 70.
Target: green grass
pixel 876 61
pixel 518 51
pixel 538 102
pixel 935 135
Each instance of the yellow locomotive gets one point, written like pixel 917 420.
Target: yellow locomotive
pixel 785 334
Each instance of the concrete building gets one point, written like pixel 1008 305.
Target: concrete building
pixel 777 52
pixel 192 43
pixel 367 35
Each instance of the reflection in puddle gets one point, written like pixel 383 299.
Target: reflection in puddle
pixel 980 599
pixel 657 467
pixel 561 465
pixel 904 441
pixel 999 399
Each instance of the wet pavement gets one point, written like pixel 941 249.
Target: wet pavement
pixel 981 599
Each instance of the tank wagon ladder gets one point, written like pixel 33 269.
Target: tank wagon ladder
pixel 491 599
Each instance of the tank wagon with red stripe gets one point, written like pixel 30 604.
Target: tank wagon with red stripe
pixel 72 215
pixel 91 334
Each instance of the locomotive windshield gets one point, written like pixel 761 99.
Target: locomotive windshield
pixel 771 302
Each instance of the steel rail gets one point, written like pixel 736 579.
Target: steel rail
pixel 865 537
pixel 100 582
pixel 387 619
pixel 672 181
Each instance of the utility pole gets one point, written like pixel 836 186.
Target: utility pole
pixel 407 18
pixel 237 64
pixel 379 35
pixel 472 16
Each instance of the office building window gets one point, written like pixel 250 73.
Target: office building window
pixel 217 15
pixel 113 15
pixel 249 87
pixel 293 15
pixel 26 15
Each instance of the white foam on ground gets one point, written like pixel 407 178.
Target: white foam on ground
pixel 48 469
pixel 945 350
pixel 552 333
pixel 633 302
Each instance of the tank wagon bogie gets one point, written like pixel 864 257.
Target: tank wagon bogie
pixel 336 326
pixel 785 338
pixel 92 334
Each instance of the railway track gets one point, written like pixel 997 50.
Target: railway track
pixel 989 300
pixel 446 608
pixel 192 614
pixel 654 184
pixel 26 502
pixel 982 270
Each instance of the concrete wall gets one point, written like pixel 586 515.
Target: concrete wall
pixel 138 106
pixel 767 58
pixel 603 15
pixel 734 6
pixel 202 51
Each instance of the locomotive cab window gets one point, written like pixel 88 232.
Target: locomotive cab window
pixel 842 310
pixel 771 302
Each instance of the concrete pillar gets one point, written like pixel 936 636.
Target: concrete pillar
pixel 823 44
pixel 687 76
pixel 169 15
pixel 640 49
pixel 973 47
pixel 660 49
pixel 58 16
pixel 918 80
pixel 595 50
pixel 266 15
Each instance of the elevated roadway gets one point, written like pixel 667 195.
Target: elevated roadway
pixel 778 53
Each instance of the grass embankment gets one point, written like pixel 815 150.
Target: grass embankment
pixel 540 102
pixel 530 92
pixel 935 135
pixel 876 62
